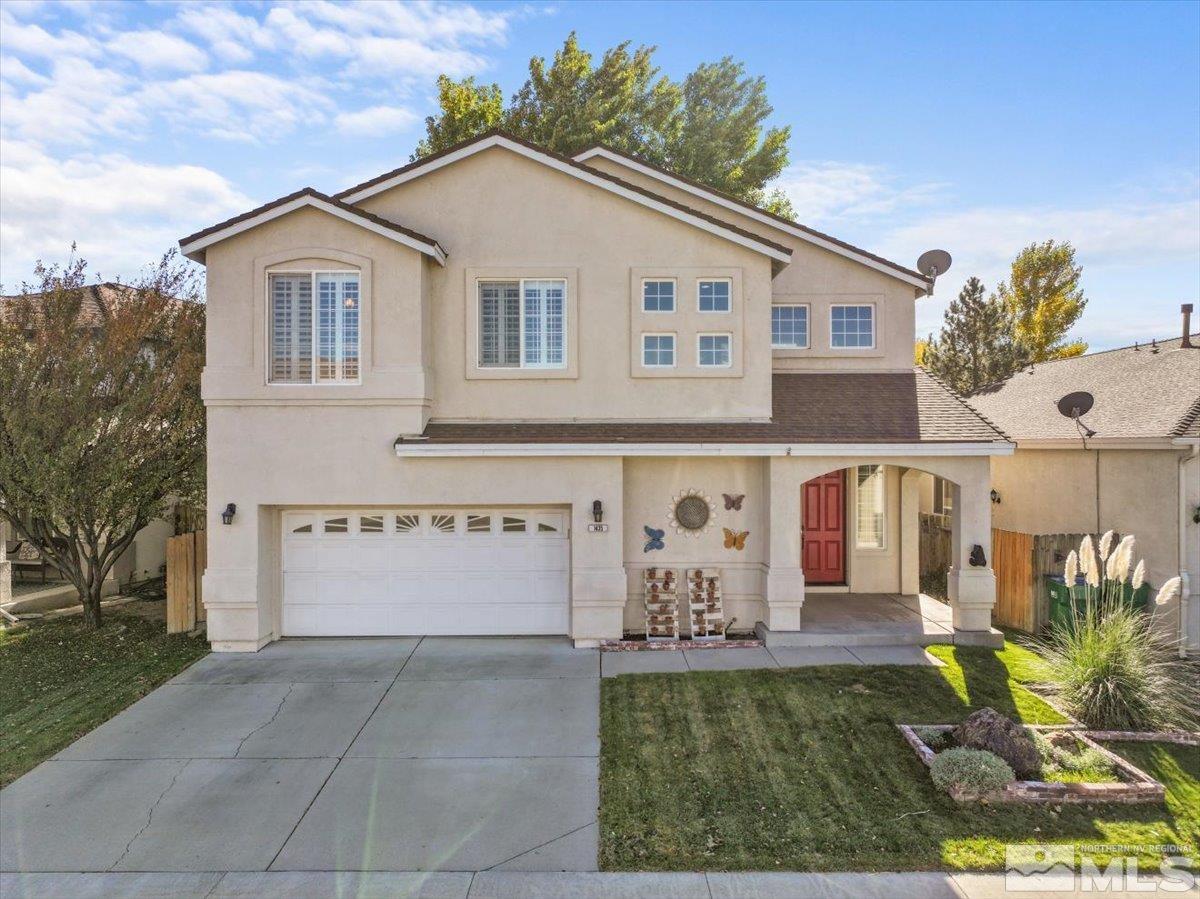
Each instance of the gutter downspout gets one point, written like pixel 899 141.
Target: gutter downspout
pixel 1184 576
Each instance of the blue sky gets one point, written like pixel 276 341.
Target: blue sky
pixel 975 127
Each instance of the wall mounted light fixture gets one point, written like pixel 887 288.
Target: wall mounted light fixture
pixel 995 494
pixel 227 515
pixel 597 511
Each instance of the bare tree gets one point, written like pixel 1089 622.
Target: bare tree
pixel 101 420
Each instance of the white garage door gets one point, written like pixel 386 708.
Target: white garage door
pixel 419 571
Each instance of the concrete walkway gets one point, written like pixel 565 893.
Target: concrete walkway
pixel 396 755
pixel 515 885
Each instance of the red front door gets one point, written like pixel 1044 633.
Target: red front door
pixel 823 552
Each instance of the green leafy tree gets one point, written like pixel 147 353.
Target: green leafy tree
pixel 1044 299
pixel 101 420
pixel 975 346
pixel 710 128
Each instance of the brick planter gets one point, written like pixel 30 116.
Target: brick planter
pixel 1136 786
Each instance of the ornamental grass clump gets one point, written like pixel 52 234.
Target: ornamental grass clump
pixel 970 771
pixel 1110 669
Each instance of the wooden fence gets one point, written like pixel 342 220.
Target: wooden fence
pixel 1020 562
pixel 187 556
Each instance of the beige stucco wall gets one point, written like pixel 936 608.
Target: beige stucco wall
pixel 816 277
pixel 496 213
pixel 1052 491
pixel 650 487
pixel 393 315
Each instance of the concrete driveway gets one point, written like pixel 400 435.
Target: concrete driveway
pixel 438 754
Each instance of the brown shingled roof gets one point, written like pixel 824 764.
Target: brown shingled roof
pixel 859 407
pixel 1141 391
pixel 312 192
pixel 566 160
pixel 751 207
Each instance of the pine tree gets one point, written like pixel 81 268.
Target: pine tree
pixel 975 346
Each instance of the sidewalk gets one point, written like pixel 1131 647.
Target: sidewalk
pixel 519 885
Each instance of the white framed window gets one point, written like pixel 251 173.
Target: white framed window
pixel 658 295
pixel 713 295
pixel 658 350
pixel 852 327
pixel 712 351
pixel 523 323
pixel 310 345
pixel 789 326
pixel 943 496
pixel 869 507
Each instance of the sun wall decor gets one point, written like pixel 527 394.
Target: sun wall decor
pixel 691 513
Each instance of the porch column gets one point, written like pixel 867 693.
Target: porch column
pixel 972 588
pixel 785 576
pixel 910 531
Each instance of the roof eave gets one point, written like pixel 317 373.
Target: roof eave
pixel 410 447
pixel 924 285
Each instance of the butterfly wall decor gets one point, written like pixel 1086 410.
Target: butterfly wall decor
pixel 656 538
pixel 733 502
pixel 735 539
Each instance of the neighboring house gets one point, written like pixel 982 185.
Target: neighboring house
pixel 147 556
pixel 1139 473
pixel 451 399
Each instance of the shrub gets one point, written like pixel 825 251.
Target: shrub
pixel 970 770
pixel 933 737
pixel 1110 669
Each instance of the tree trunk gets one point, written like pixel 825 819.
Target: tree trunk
pixel 91 604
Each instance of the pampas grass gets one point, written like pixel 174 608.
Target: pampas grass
pixel 1071 569
pixel 1110 669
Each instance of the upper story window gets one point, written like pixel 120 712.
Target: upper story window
pixel 714 295
pixel 852 327
pixel 870 507
pixel 658 296
pixel 658 350
pixel 712 351
pixel 522 324
pixel 789 327
pixel 313 347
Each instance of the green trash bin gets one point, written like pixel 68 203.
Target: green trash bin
pixel 1066 603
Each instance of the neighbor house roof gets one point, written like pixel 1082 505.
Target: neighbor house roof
pixel 194 245
pixel 1141 391
pixel 97 300
pixel 568 166
pixel 757 213
pixel 807 407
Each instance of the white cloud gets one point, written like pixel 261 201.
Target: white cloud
pixel 374 121
pixel 33 40
pixel 823 191
pixel 156 51
pixel 121 213
pixel 232 36
pixel 15 71
pixel 78 102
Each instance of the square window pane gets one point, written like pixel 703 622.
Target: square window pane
pixel 714 350
pixel 658 296
pixel 714 296
pixel 852 326
pixel 658 350
pixel 789 326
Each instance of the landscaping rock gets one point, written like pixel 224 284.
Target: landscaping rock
pixel 987 729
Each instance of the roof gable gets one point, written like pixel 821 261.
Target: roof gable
pixel 194 245
pixel 751 211
pixel 777 252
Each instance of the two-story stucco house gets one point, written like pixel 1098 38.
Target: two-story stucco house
pixel 452 399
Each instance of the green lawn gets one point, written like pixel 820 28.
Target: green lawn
pixel 58 681
pixel 803 769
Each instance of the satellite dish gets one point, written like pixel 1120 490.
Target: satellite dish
pixel 1076 404
pixel 933 263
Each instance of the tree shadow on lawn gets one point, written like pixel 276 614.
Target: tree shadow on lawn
pixel 804 769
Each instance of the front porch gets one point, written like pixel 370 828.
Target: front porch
pixel 876 619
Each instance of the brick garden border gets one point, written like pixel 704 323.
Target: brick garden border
pixel 1138 786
